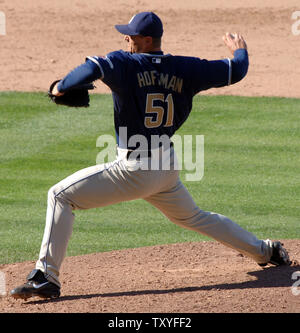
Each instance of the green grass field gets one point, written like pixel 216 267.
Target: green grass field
pixel 252 163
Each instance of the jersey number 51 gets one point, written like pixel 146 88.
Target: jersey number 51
pixel 166 105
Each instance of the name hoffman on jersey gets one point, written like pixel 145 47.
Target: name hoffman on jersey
pixel 154 78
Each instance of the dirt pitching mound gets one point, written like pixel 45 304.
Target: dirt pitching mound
pixel 203 277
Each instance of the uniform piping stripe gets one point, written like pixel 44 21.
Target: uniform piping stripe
pixel 110 63
pixel 229 72
pixel 48 243
pixel 97 63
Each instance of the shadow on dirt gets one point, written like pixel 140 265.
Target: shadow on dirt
pixel 270 277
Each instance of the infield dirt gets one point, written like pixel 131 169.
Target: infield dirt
pixel 42 43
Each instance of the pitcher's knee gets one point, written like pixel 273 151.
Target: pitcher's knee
pixel 56 192
pixel 52 193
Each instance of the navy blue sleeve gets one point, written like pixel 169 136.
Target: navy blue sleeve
pixel 85 73
pixel 240 64
pixel 220 73
pixel 109 69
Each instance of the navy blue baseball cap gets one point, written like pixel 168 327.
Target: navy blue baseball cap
pixel 145 24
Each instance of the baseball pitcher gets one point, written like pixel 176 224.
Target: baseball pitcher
pixel 152 94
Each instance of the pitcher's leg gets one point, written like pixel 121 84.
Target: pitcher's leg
pixel 92 187
pixel 58 229
pixel 179 207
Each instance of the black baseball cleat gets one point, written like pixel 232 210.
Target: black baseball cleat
pixel 36 285
pixel 280 256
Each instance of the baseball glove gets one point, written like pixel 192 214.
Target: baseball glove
pixel 76 97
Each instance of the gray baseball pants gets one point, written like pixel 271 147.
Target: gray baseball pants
pixel 126 179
